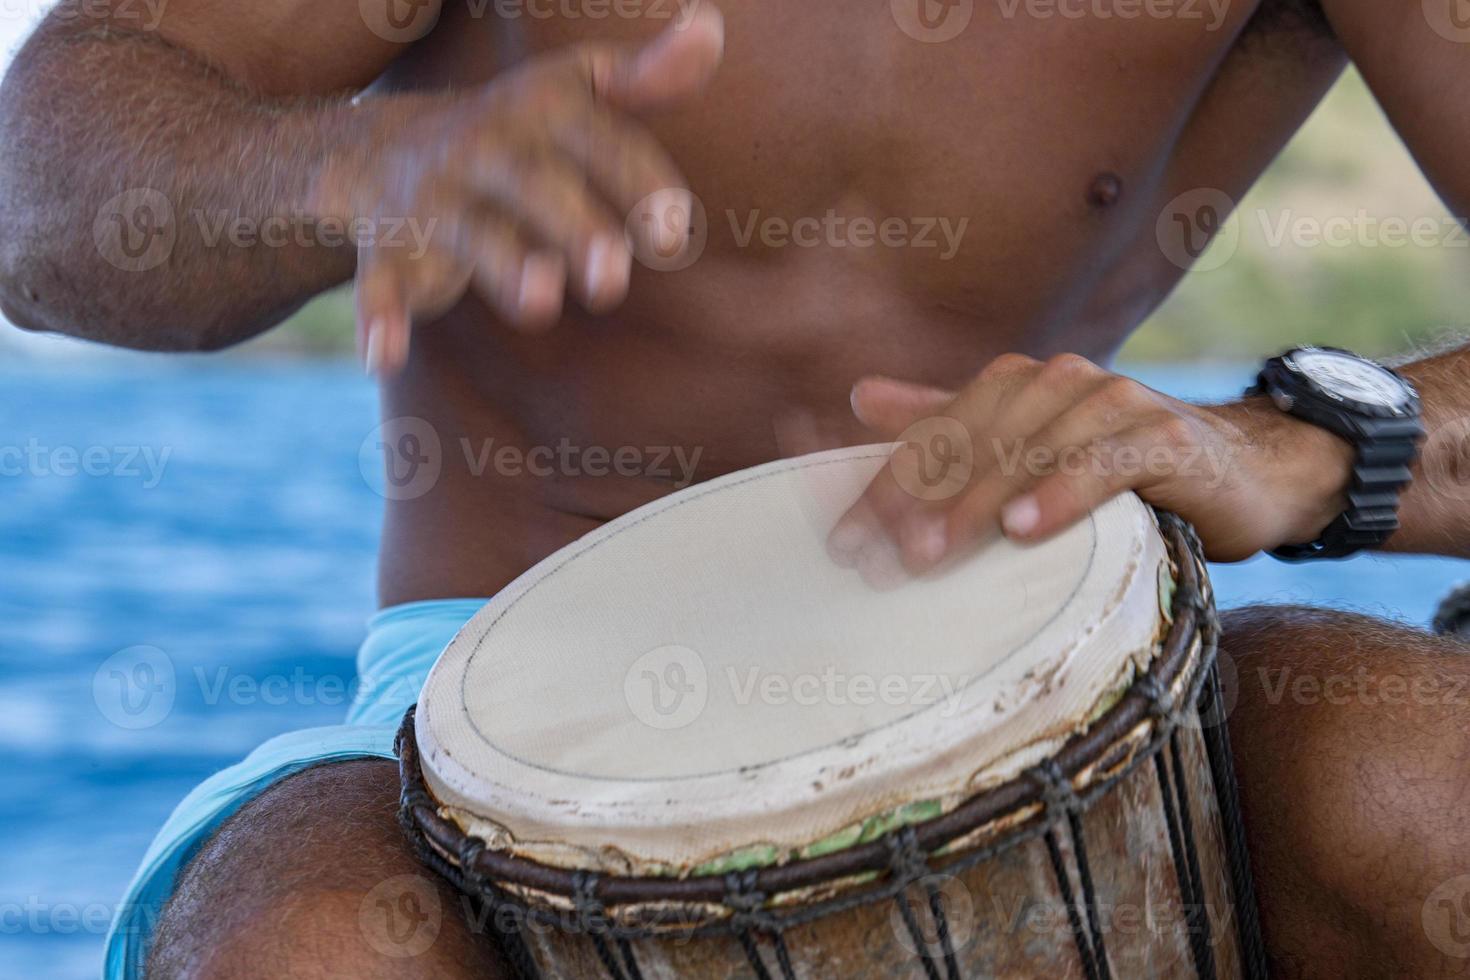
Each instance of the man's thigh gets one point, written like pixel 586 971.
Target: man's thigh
pixel 312 879
pixel 1352 743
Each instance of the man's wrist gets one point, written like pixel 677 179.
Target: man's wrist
pixel 1320 478
pixel 342 135
pixel 1306 469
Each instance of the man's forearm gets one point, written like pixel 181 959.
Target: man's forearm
pixel 1435 513
pixel 150 202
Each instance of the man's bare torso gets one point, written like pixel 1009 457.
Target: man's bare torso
pixel 1026 162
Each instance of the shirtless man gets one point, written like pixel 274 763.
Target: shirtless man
pixel 530 135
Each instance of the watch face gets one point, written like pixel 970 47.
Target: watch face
pixel 1349 377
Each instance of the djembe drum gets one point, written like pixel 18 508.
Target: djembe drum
pixel 690 745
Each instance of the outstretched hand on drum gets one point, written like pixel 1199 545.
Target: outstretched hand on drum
pixel 1029 448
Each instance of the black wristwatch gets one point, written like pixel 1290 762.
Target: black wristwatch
pixel 1370 406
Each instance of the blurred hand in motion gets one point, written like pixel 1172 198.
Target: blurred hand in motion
pixel 537 184
pixel 1030 448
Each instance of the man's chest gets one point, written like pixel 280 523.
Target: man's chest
pixel 862 75
pixel 902 100
pixel 1030 137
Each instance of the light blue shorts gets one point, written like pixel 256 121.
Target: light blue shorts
pixel 402 644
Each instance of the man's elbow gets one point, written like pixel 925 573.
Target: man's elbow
pixel 21 303
pixel 61 308
pixel 17 314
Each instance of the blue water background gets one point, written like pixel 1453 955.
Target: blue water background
pixel 251 559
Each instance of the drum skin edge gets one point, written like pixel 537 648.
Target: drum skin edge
pixel 495 769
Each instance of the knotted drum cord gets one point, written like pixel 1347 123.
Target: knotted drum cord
pixel 1060 806
pixel 909 864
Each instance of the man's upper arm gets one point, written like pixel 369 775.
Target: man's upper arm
pixel 276 47
pixel 1415 56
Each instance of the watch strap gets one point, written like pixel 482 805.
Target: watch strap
pixel 1385 450
pixel 1371 517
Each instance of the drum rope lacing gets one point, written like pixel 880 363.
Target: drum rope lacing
pixel 1178 820
pixel 590 910
pixel 909 863
pixel 1222 768
pixel 1061 805
pixel 750 916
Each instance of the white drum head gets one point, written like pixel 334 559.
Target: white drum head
pixel 697 682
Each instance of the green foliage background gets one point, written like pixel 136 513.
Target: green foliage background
pixel 1370 296
pixel 1345 164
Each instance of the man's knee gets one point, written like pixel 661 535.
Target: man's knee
pixel 1352 741
pixel 314 879
pixel 1326 676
